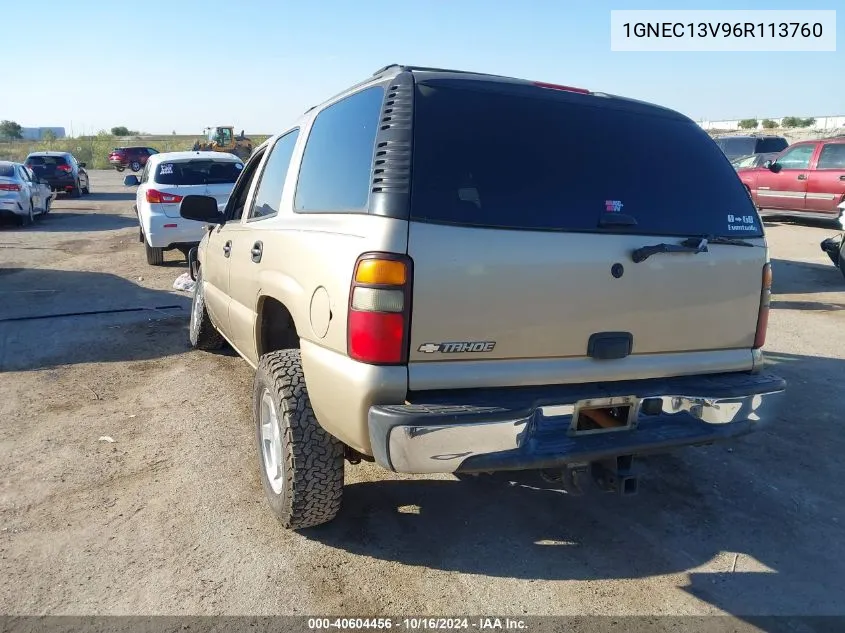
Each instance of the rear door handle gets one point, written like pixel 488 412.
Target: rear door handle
pixel 227 248
pixel 802 176
pixel 841 177
pixel 257 250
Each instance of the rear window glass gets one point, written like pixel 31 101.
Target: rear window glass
pixel 198 172
pixel 492 159
pixel 737 146
pixel 46 161
pixel 7 171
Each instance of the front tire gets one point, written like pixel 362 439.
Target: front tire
pixel 135 166
pixel 155 256
pixel 301 465
pixel 202 333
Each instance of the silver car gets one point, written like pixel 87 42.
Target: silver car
pixel 22 194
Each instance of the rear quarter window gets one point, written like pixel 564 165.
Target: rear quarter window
pixel 489 158
pixel 832 156
pixel 767 145
pixel 335 173
pixel 7 171
pixel 197 172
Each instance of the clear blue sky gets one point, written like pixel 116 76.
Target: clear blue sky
pixel 257 64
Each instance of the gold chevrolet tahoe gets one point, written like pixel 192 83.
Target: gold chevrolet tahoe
pixel 451 272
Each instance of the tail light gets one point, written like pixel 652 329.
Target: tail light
pixel 763 313
pixel 379 320
pixel 9 187
pixel 156 196
pixel 66 168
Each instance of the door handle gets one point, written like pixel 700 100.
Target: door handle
pixel 257 250
pixel 841 177
pixel 802 176
pixel 227 248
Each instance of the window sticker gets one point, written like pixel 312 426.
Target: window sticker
pixel 741 223
pixel 613 206
pixel 239 166
pixel 166 168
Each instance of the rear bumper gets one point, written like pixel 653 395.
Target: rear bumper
pixel 61 184
pixel 169 233
pixel 529 428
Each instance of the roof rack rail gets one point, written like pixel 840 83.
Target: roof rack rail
pixel 404 67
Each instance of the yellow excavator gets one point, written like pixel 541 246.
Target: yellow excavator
pixel 221 138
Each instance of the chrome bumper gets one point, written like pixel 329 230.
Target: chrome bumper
pixel 450 436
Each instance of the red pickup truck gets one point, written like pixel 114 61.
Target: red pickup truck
pixel 807 179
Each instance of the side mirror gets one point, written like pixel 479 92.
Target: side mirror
pixel 131 181
pixel 772 166
pixel 201 209
pixel 82 165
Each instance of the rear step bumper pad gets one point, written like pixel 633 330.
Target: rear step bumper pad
pixel 506 429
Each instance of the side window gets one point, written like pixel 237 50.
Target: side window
pixel 145 175
pixel 797 157
pixel 269 194
pixel 832 156
pixel 766 145
pixel 335 173
pixel 237 200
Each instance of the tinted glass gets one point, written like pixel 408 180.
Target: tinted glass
pixel 269 193
pixel 736 146
pixel 237 201
pixel 771 145
pixel 7 171
pixel 198 172
pixel 46 161
pixel 338 158
pixel 797 157
pixel 832 156
pixel 545 162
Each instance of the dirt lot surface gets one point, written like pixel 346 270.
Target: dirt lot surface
pixel 170 517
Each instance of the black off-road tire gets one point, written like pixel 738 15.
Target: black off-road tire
pixel 76 192
pixel 201 332
pixel 155 256
pixel 313 459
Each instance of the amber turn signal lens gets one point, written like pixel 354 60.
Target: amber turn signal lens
pixel 381 271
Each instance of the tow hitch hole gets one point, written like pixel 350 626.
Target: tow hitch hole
pixel 593 419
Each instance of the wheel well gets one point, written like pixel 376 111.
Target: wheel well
pixel 275 327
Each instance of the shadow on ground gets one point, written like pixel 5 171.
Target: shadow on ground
pixel 59 220
pixel 795 277
pixel 754 527
pixel 770 221
pixel 114 196
pixel 47 319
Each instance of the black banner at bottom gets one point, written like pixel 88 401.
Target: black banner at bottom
pixel 482 623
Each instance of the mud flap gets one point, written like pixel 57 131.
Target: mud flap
pixel 193 264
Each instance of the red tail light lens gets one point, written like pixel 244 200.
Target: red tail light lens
pixel 66 168
pixel 9 187
pixel 379 309
pixel 763 314
pixel 159 197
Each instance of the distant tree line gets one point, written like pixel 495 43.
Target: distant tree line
pixel 786 122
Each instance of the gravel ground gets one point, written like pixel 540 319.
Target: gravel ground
pixel 170 518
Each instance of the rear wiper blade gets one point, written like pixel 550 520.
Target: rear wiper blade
pixel 713 239
pixel 691 245
pixel 617 219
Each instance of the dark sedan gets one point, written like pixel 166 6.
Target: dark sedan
pixel 61 171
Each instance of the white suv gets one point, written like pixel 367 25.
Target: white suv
pixel 166 179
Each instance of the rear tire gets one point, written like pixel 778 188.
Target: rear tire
pixel 155 256
pixel 301 465
pixel 29 218
pixel 87 188
pixel 201 333
pixel 120 168
pixel 76 192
